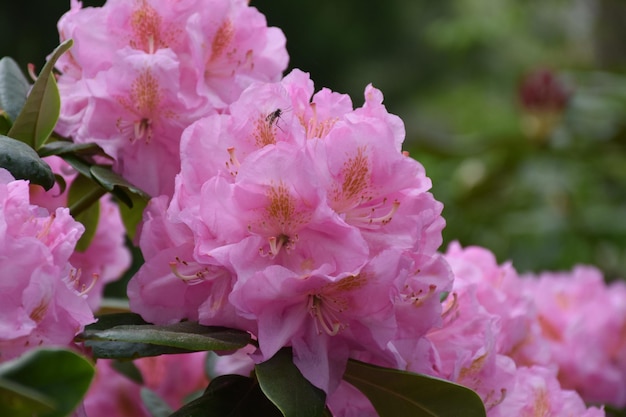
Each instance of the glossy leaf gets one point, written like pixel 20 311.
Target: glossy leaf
pixel 48 382
pixel 395 393
pixel 24 163
pixel 148 339
pixel 77 163
pixel 282 382
pixel 62 147
pixel 13 87
pixel 81 189
pixel 110 180
pixel 230 396
pixel 36 121
pixel 125 350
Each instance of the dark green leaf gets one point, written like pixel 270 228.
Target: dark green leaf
pixel 39 115
pixel 124 350
pixel 77 163
pixel 110 180
pixel 185 335
pixel 107 321
pixel 5 123
pixel 24 163
pixel 155 404
pixel 13 87
pixel 49 382
pixel 284 385
pixel 81 189
pixel 128 369
pixel 395 393
pixel 230 396
pixel 61 147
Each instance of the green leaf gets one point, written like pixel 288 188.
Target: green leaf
pixel 45 382
pixel 132 215
pixel 107 321
pixel 111 181
pixel 128 369
pixel 24 163
pixel 395 393
pixel 77 163
pixel 155 404
pixel 81 188
pixel 230 396
pixel 139 340
pixel 125 350
pixel 62 147
pixel 13 87
pixel 5 123
pixel 39 115
pixel 284 385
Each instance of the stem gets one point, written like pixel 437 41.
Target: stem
pixel 87 200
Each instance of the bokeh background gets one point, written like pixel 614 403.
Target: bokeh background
pixel 516 109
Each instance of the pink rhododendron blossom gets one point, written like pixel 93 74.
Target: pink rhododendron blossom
pixel 141 71
pixel 498 290
pixel 537 392
pixel 466 348
pixel 492 330
pixel 171 377
pixel 106 258
pixel 39 300
pixel 583 321
pixel 298 219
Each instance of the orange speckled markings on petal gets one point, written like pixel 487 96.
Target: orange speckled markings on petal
pixel 356 179
pixel 282 219
pixel 143 101
pixel 39 312
pixel 541 407
pixel 223 38
pixel 148 34
pixel 264 132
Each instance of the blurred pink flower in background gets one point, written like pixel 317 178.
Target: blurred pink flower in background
pixel 172 377
pixel 583 321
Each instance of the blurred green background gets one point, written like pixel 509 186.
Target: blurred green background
pixel 539 181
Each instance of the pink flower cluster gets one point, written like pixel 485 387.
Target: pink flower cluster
pixel 141 71
pixel 493 340
pixel 40 303
pixel 297 218
pixel 583 322
pixel 106 258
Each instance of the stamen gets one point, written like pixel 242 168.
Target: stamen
pixel 192 278
pixel 316 128
pixel 325 315
pixel 46 227
pixel 233 163
pixel 277 243
pixel 85 289
pixel 367 220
